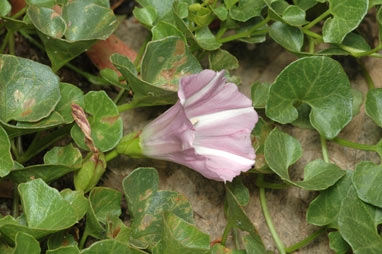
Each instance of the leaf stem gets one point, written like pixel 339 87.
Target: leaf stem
pixel 119 95
pixel 111 155
pixel 306 241
pixel 245 34
pixel 141 51
pixel 313 34
pixel 11 43
pixel 260 183
pixel 125 107
pixel 16 201
pixel 316 20
pixel 19 13
pixel 268 219
pixel 354 145
pixel 236 237
pixel 38 145
pixel 83 239
pixel 5 42
pixel 366 75
pixel 227 230
pixel 324 149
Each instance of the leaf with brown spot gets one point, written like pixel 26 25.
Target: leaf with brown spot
pixel 105 123
pixel 166 61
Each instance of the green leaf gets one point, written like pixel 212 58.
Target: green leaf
pixel 230 3
pixel 6 161
pixel 29 90
pixel 347 15
pixel 5 249
pixel 62 114
pixel 237 217
pixel 166 61
pixel 164 29
pixel 247 26
pixel 62 239
pixel 61 51
pixel 64 250
pixel 206 39
pixel 366 179
pixel 319 82
pixel 77 200
pixel 337 243
pixel 5 7
pixel 260 132
pixel 294 16
pixel 358 224
pixel 110 246
pixel 220 12
pixel 222 60
pixel 88 20
pixel 324 209
pixel 146 205
pixel 373 105
pixel 25 243
pixel 357 101
pixel 146 16
pixel 145 94
pixel 64 155
pixel 48 173
pixel 47 21
pixel 289 37
pixel 35 197
pixel 163 8
pixel 179 236
pixel 14 24
pixel 104 211
pixel 259 94
pixel 246 9
pixel 282 150
pixel 41 3
pixel 253 245
pixel 239 191
pixel 105 123
pixel 305 4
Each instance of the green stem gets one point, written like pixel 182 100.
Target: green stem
pixel 125 107
pixel 235 233
pixel 366 75
pixel 11 44
pixel 5 42
pixel 111 155
pixel 15 151
pixel 312 34
pixel 141 51
pixel 324 149
pixel 306 241
pixel 245 34
pixel 316 20
pixel 268 219
pixel 83 239
pixel 311 45
pixel 19 13
pixel 227 230
pixel 358 52
pixel 90 77
pixel 16 201
pixel 363 147
pixel 260 183
pixel 119 95
pixel 221 32
pixel 38 145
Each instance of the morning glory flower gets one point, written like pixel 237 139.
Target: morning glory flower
pixel 208 129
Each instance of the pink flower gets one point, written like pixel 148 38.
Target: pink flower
pixel 208 129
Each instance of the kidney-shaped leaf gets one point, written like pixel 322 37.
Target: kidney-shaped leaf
pixel 319 82
pixel 64 250
pixel 146 204
pixel 105 123
pixel 47 21
pixel 347 15
pixel 110 246
pixel 29 90
pixel 64 155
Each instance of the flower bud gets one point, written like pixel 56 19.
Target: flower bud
pixel 90 173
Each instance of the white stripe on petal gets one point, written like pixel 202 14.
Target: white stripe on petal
pixel 196 96
pixel 201 150
pixel 207 119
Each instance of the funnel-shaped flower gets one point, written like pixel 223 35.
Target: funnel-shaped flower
pixel 207 130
